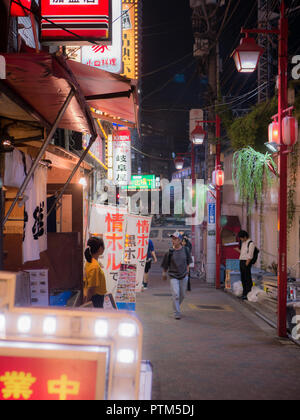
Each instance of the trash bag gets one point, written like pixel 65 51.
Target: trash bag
pixel 256 295
pixel 237 289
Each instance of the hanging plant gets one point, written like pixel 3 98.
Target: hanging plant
pixel 249 172
pixel 292 185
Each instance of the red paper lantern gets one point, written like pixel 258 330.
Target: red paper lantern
pixel 289 131
pixel 17 10
pixel 218 178
pixel 274 132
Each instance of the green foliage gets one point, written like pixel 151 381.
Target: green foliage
pixel 292 185
pixel 250 170
pixel 252 130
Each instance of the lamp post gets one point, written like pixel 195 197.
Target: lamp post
pixel 243 63
pixel 199 135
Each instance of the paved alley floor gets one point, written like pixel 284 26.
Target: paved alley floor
pixel 218 350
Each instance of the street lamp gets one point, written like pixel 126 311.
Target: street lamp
pixel 246 56
pixel 179 162
pixel 198 135
pixel 282 33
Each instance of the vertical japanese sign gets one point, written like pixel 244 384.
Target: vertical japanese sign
pixel 45 378
pixel 130 45
pixel 109 223
pixel 122 157
pixel 76 21
pixel 107 57
pixel 136 244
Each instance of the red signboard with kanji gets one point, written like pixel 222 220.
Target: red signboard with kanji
pixel 76 21
pixel 28 378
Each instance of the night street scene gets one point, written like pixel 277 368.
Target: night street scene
pixel 149 203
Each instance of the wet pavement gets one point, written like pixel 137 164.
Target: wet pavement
pixel 218 350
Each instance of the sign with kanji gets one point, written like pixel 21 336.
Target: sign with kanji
pixel 76 21
pixel 122 157
pixel 110 223
pixel 107 57
pixel 130 45
pixel 42 377
pixel 136 244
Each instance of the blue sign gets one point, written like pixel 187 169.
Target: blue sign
pixel 212 214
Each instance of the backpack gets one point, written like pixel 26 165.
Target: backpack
pixel 187 253
pixel 255 253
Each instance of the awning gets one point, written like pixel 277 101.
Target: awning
pixel 40 83
pixel 114 95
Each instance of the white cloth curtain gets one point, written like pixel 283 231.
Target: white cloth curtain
pixel 17 165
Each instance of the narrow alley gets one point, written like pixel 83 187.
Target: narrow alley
pixel 218 350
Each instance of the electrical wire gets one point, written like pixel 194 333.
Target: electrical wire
pixel 237 99
pixel 166 83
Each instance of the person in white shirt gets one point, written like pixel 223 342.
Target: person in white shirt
pixel 246 255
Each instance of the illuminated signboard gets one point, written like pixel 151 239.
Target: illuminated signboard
pixel 75 21
pixel 130 47
pixel 66 353
pixel 107 57
pixel 142 182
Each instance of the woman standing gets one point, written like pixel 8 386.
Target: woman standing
pixel 94 278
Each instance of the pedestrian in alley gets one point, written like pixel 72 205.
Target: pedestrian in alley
pixel 94 278
pixel 151 256
pixel 176 264
pixel 246 255
pixel 186 242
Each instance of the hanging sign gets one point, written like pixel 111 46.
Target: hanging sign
pixel 76 22
pixel 107 57
pixel 130 49
pixel 136 244
pixel 122 157
pixel 109 223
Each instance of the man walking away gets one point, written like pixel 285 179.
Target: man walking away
pixel 246 255
pixel 150 256
pixel 176 263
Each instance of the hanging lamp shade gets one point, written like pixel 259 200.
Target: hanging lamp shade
pixel 17 10
pixel 218 177
pixel 289 131
pixel 179 162
pixel 274 132
pixel 198 135
pixel 246 56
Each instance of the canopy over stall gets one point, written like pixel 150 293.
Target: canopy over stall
pixel 45 91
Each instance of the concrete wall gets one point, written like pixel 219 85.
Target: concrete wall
pixel 264 232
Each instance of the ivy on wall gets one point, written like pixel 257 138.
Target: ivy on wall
pixel 252 130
